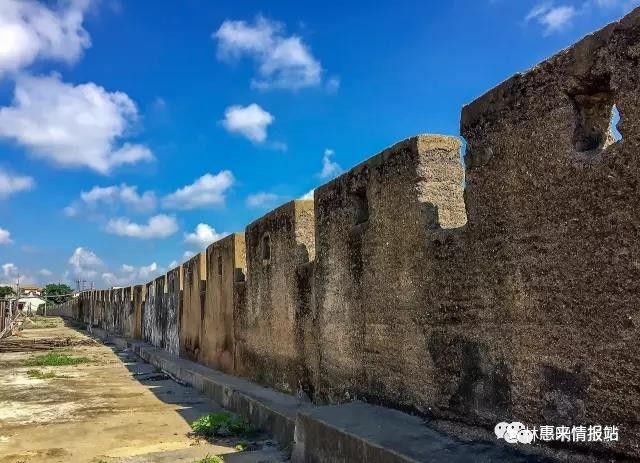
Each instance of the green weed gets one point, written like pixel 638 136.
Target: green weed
pixel 211 459
pixel 37 374
pixel 55 359
pixel 222 424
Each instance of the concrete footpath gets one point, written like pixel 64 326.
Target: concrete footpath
pixel 110 407
pixel 354 432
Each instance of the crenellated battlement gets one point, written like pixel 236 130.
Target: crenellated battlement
pixel 505 289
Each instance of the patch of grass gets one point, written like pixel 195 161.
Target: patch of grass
pixel 55 359
pixel 211 459
pixel 222 424
pixel 38 374
pixel 38 321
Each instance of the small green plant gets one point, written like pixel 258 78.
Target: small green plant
pixel 211 459
pixel 37 374
pixel 222 424
pixel 55 359
pixel 241 446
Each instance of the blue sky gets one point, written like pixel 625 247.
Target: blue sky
pixel 132 133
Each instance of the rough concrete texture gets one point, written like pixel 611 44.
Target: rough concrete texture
pixel 504 290
pixel 270 347
pixel 361 432
pixel 150 332
pixel 113 409
pixel 171 307
pixel 194 286
pixel 377 271
pixel 225 260
pixel 139 292
pixel 554 222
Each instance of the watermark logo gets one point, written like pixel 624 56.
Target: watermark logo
pixel 518 433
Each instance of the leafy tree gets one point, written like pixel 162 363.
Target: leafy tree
pixel 57 293
pixel 6 291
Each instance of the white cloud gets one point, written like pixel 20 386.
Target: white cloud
pixel 249 121
pixel 85 263
pixel 283 61
pixel 158 226
pixel 45 272
pixel 553 18
pixel 9 270
pixel 149 271
pixel 5 236
pixel 72 126
pixel 261 199
pixel 330 168
pixel 128 268
pixel 209 190
pixel 173 264
pixel 203 236
pixel 188 254
pixel 308 195
pixel 129 275
pixel 12 183
pixel 30 30
pixel 125 194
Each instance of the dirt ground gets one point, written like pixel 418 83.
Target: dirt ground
pixel 113 408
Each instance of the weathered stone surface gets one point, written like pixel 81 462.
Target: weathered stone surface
pixel 554 218
pixel 225 261
pixel 194 287
pixel 172 305
pixel 270 348
pixel 139 292
pixel 504 290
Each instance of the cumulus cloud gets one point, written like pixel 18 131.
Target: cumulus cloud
pixel 283 61
pixel 158 226
pixel 552 18
pixel 129 275
pixel 203 236
pixel 249 121
pixel 308 194
pixel 151 270
pixel 72 125
pixel 330 168
pixel 29 30
pixel 209 190
pixel 188 254
pixel 85 263
pixel 5 236
pixel 261 199
pixel 45 272
pixel 12 183
pixel 10 270
pixel 113 197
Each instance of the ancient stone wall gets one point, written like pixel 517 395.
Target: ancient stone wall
pixel 139 292
pixel 194 285
pixel 553 207
pixel 271 349
pixel 225 262
pixel 503 290
pixel 172 302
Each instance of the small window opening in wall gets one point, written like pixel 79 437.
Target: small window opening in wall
pixel 615 119
pixel 266 248
pixel 596 119
pixel 220 265
pixel 360 206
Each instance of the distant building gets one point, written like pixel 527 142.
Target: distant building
pixel 30 304
pixel 30 291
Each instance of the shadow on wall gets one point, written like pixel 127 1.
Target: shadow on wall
pixel 502 291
